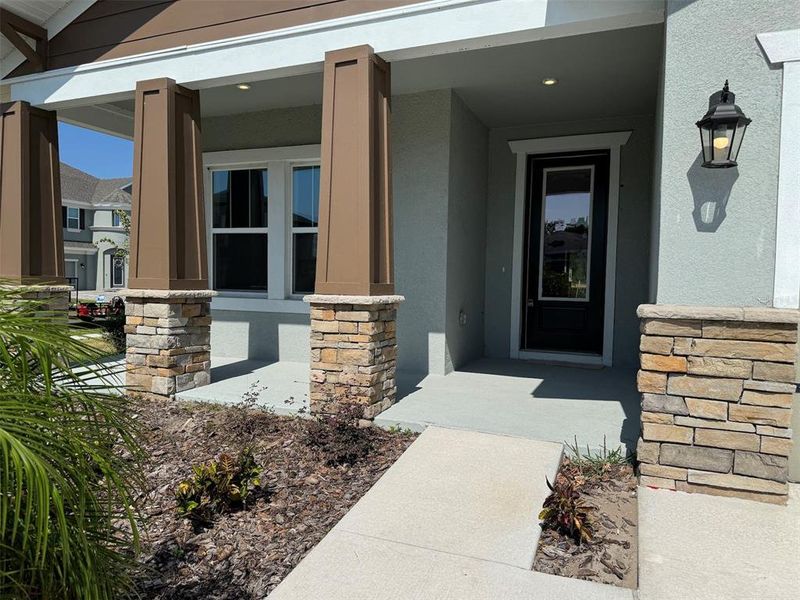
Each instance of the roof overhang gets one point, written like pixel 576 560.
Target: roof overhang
pixel 413 31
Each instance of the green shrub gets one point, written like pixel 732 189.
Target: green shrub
pixel 70 463
pixel 338 437
pixel 220 486
pixel 114 332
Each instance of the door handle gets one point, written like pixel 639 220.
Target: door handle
pixel 530 303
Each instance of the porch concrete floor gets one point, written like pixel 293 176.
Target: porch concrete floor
pixel 511 397
pixel 507 397
pixel 282 386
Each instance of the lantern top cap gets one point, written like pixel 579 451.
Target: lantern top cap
pixel 721 108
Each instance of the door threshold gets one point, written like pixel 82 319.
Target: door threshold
pixel 584 359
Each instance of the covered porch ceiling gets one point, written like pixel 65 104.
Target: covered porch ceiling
pixel 600 75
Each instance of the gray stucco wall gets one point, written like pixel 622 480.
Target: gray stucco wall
pixel 633 228
pixel 466 235
pixel 266 129
pixel 420 155
pixel 728 260
pixel 85 234
pixel 420 149
pixel 266 336
pixel 86 275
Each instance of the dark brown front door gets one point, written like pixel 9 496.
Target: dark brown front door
pixel 565 252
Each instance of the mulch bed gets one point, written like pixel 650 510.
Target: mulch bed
pixel 244 554
pixel 612 556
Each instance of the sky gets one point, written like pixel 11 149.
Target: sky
pixel 98 154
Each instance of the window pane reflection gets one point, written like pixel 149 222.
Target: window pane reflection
pixel 305 262
pixel 305 196
pixel 566 226
pixel 239 198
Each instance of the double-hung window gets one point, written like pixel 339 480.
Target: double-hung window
pixel 73 218
pixel 305 221
pixel 240 229
pixel 263 205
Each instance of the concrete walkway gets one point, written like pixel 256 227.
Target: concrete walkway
pixel 512 397
pixel 453 518
pixel 709 548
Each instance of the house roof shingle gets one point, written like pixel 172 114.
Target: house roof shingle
pixel 79 186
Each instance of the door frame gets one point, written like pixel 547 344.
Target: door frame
pixel 611 141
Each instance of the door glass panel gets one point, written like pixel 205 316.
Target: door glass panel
pixel 118 272
pixel 566 234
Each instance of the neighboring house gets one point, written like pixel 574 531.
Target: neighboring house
pixel 543 157
pixel 93 229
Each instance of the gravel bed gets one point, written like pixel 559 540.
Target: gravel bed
pixel 244 554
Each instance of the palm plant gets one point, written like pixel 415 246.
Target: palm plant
pixel 70 463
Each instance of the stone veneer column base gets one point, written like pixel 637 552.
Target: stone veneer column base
pixel 168 339
pixel 717 389
pixel 52 299
pixel 353 352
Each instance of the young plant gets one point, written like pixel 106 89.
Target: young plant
pixel 595 463
pixel 337 435
pixel 564 510
pixel 223 485
pixel 70 462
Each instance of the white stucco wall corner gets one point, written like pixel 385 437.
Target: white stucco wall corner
pixel 783 48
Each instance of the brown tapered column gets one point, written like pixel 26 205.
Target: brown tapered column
pixel 168 314
pixel 168 247
pixel 354 309
pixel 31 241
pixel 355 209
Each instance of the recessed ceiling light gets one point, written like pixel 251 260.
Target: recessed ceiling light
pixel 549 81
pixel 243 86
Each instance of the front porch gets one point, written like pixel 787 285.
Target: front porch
pixel 508 397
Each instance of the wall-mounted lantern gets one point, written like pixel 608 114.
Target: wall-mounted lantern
pixel 722 130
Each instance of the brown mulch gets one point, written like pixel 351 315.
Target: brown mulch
pixel 244 554
pixel 612 555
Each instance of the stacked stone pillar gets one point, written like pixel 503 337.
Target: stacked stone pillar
pixel 353 352
pixel 168 339
pixel 717 390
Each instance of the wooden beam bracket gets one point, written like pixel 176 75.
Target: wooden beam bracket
pixel 13 27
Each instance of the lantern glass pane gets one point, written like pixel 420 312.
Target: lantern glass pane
pixel 737 140
pixel 705 140
pixel 721 143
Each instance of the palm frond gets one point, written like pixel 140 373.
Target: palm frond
pixel 70 458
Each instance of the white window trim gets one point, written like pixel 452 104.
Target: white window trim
pixel 612 142
pixel 278 162
pixel 783 47
pixel 74 229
